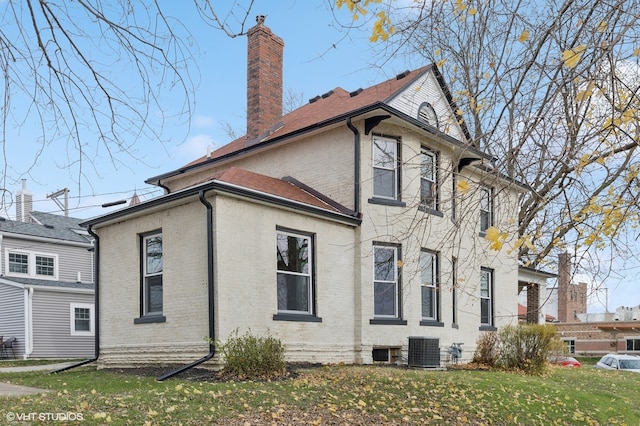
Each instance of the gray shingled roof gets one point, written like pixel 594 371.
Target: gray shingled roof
pixel 48 225
pixel 53 284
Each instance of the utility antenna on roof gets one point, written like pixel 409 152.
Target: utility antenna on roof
pixel 63 205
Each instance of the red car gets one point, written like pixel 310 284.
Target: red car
pixel 565 361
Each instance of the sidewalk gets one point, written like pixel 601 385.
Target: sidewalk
pixel 8 389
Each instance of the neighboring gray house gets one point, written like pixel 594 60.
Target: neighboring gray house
pixel 46 284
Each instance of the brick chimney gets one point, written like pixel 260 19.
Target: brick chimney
pixel 564 282
pixel 264 80
pixel 24 203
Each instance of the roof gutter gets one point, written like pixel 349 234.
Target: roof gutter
pixel 96 306
pixel 356 167
pixel 210 287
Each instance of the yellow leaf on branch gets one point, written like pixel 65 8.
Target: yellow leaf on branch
pixel 495 237
pixel 463 186
pixel 571 57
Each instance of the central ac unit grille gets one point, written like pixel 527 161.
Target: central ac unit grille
pixel 424 352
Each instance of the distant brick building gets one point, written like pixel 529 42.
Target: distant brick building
pixel 590 334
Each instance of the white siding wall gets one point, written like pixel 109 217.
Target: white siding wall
pixel 12 316
pixel 52 326
pixel 427 89
pixel 71 259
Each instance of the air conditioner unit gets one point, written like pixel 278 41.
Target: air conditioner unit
pixel 424 352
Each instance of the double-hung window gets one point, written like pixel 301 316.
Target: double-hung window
pixel 486 298
pixel 32 265
pixel 428 179
pixel 19 263
pixel 430 287
pixel 45 265
pixel 152 259
pixel 486 208
pixel 386 170
pixel 386 288
pixel 82 319
pixel 294 259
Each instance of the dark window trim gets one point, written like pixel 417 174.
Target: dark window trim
pixel 454 193
pixel 491 300
pixel 385 320
pixel 487 328
pixel 314 301
pixel 438 318
pixel 398 199
pixel 492 208
pixel 436 154
pixel 142 251
pixel 454 292
pixel 387 202
pixel 431 323
pixel 296 317
pixel 430 211
pixel 149 319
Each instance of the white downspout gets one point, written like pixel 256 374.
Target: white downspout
pixel 28 322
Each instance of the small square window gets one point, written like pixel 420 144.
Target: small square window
pixel 82 321
pixel 45 266
pixel 19 263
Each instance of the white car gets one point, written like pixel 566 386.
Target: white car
pixel 619 362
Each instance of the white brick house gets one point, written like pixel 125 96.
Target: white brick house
pixel 343 228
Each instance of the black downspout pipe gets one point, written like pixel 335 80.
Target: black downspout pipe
pixel 96 307
pixel 356 168
pixel 166 188
pixel 210 286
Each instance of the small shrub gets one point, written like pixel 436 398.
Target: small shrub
pixel 486 352
pixel 252 357
pixel 525 347
pixel 558 348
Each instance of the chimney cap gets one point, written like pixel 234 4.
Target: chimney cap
pixel 260 19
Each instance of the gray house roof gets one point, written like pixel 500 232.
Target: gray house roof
pixel 49 283
pixel 47 225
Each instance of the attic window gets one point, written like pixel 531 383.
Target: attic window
pixel 427 113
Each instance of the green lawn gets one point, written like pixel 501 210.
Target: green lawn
pixel 338 395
